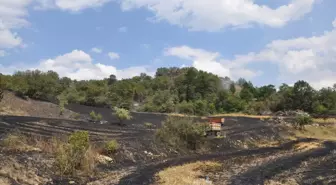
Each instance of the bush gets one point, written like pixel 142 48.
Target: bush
pixel 96 117
pixel 99 117
pixel 122 114
pixel 111 146
pixel 79 140
pixel 302 120
pixel 76 154
pixel 148 125
pixel 182 133
pixel 62 101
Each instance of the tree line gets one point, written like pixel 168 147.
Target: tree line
pixel 182 90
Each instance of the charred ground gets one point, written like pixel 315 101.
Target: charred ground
pixel 246 152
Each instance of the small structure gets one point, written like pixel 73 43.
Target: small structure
pixel 215 126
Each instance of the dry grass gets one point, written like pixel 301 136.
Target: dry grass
pixel 181 115
pixel 266 143
pixel 18 142
pixel 6 110
pixel 15 170
pixel 307 146
pixel 69 160
pixel 188 174
pixel 244 115
pixel 318 132
pixel 289 181
pixel 325 121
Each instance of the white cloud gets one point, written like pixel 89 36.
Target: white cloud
pixel 213 15
pixel 312 59
pixel 113 55
pixel 210 62
pixel 12 15
pixel 79 65
pixel 78 5
pixel 96 50
pixel 305 58
pixel 185 52
pixel 9 39
pixel 334 23
pixel 123 29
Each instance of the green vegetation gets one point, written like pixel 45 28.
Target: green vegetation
pixel 302 120
pixel 111 147
pixel 174 90
pixel 62 100
pixel 96 117
pixel 122 114
pixel 76 154
pixel 182 133
pixel 148 125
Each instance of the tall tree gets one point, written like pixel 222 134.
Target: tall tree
pixel 303 96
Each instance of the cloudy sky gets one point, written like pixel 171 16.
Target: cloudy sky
pixel 265 41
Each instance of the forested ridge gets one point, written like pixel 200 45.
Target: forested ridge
pixel 182 90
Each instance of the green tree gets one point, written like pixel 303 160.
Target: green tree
pixel 185 107
pixel 232 88
pixel 303 96
pixel 201 108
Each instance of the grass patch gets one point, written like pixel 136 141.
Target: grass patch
pixel 188 174
pixel 317 132
pixel 15 141
pixel 5 110
pixel 325 121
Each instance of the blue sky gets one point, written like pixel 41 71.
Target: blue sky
pixel 263 41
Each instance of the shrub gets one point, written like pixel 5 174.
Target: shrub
pixel 122 114
pixel 79 140
pixel 76 154
pixel 181 133
pixel 96 117
pixel 111 146
pixel 93 115
pixel 99 117
pixel 62 101
pixel 148 125
pixel 302 120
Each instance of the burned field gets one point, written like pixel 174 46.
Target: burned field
pixel 250 151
